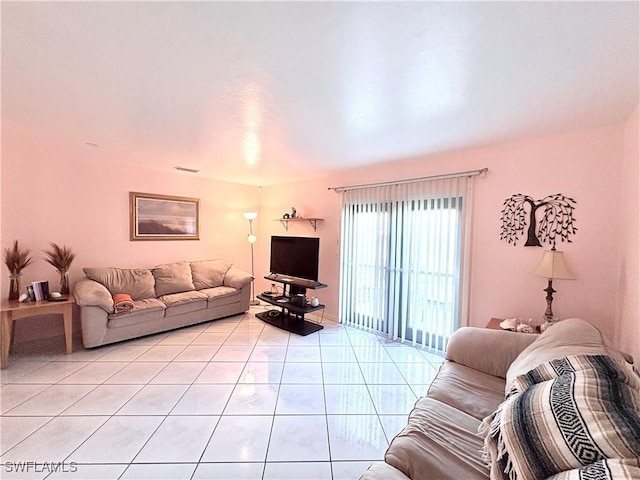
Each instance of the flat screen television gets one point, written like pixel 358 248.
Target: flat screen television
pixel 295 257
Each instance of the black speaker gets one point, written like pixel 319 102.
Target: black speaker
pixel 299 300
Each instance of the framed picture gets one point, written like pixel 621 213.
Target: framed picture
pixel 163 217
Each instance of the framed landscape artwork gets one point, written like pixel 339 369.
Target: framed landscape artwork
pixel 163 217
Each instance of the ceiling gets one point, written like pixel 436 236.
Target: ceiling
pixel 265 93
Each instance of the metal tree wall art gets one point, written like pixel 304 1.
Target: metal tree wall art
pixel 557 219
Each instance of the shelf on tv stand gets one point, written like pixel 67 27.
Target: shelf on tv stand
pixel 296 282
pixel 291 316
pixel 290 323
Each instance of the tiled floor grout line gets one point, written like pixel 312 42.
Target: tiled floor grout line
pixel 326 413
pixel 275 407
pixel 375 408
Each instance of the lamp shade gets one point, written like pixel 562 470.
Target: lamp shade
pixel 552 266
pixel 250 215
pixel 252 238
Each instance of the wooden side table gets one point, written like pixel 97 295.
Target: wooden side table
pixel 13 310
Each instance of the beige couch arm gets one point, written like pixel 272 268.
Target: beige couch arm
pixel 383 471
pixel 490 351
pixel 89 293
pixel 237 278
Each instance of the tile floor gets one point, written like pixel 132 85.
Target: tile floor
pixel 229 399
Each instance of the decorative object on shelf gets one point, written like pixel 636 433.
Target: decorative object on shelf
pixel 299 300
pixel 509 323
pixel 524 326
pixel 251 238
pixel 294 212
pixel 552 266
pixel 16 259
pixel 60 258
pixel 557 219
pixel 163 217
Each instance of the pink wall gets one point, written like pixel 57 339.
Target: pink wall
pixel 628 331
pixel 311 199
pixel 75 199
pixel 585 165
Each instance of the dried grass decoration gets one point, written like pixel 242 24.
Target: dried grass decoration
pixel 16 259
pixel 61 258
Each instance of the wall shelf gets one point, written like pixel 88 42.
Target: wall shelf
pixel 312 221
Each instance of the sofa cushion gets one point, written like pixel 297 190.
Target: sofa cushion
pixel 567 337
pixel 210 273
pixel 137 282
pixel 439 442
pixel 469 346
pixel 454 382
pixel 145 310
pixel 173 278
pixel 183 302
pixel 565 414
pixel 219 296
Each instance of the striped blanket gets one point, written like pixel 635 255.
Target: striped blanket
pixel 571 418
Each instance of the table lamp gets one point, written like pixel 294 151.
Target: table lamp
pixel 552 266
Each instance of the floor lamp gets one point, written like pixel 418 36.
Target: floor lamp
pixel 252 239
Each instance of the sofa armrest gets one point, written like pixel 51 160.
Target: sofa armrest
pixel 489 351
pixel 237 278
pixel 89 293
pixel 383 471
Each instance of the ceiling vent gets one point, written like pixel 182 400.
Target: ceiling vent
pixel 185 169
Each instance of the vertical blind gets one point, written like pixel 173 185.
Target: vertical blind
pixel 404 258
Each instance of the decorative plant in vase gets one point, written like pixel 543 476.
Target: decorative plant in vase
pixel 16 259
pixel 61 258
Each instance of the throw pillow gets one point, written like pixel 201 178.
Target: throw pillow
pixel 173 278
pixel 137 282
pixel 210 273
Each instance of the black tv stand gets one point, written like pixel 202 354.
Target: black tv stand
pixel 291 316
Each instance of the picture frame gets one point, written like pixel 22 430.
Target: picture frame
pixel 163 217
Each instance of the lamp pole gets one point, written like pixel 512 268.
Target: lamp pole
pixel 251 238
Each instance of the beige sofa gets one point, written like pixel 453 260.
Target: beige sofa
pixel 165 297
pixel 465 429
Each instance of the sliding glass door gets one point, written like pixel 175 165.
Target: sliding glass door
pixel 402 260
